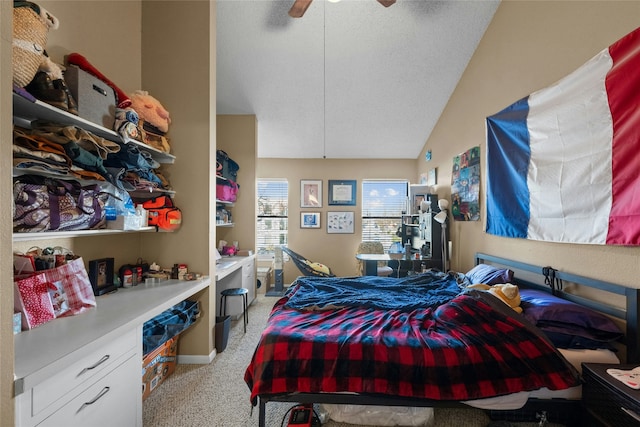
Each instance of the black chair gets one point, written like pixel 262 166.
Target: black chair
pixel 306 266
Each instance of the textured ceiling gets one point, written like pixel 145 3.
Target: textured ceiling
pixel 348 80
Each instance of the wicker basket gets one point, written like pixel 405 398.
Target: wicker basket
pixel 29 41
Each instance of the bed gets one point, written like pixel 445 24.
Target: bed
pixel 429 341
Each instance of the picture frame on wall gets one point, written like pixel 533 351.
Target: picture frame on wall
pixel 309 219
pixel 310 193
pixel 101 276
pixel 342 192
pixel 340 222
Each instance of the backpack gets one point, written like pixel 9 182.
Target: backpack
pixel 163 214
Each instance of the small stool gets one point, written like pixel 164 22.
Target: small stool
pixel 232 292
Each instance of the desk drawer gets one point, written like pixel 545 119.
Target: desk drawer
pixel 111 401
pixel 79 371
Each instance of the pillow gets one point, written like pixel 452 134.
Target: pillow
pixel 484 273
pixel 567 324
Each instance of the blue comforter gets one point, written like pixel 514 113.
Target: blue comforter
pixel 429 289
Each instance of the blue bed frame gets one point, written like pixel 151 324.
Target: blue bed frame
pixel 552 281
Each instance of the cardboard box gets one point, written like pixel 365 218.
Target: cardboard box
pixel 96 100
pixel 158 365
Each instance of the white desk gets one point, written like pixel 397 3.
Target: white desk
pixel 371 262
pixel 236 272
pixel 50 357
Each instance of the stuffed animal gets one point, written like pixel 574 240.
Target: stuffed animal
pixel 150 110
pixel 506 292
pixel 31 25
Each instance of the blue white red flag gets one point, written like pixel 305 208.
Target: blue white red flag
pixel 563 164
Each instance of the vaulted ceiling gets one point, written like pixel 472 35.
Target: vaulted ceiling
pixel 351 79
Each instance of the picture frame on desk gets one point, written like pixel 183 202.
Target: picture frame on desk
pixel 101 276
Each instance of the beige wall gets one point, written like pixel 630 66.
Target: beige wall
pixel 237 136
pixel 528 46
pixel 6 225
pixel 334 250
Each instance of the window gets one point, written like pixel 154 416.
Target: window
pixel 272 221
pixel 383 203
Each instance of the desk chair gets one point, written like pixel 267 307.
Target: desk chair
pixel 372 248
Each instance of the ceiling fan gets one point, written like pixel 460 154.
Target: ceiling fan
pixel 300 7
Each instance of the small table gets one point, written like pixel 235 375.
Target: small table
pixel 607 402
pixel 371 262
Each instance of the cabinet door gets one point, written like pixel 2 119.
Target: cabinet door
pixel 249 279
pixel 114 400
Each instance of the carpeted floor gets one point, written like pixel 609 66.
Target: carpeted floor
pixel 216 395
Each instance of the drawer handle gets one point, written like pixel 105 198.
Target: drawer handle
pixel 631 413
pixel 94 400
pixel 95 365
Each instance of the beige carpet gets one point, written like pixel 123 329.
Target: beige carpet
pixel 216 395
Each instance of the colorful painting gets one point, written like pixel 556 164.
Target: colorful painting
pixel 465 186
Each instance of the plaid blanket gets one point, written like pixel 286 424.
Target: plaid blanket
pixel 471 347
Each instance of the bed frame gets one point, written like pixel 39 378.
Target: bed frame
pixel 552 281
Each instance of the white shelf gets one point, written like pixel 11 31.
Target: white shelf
pixel 224 224
pixel 27 112
pixel 46 235
pixel 224 202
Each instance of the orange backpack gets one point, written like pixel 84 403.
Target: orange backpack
pixel 163 214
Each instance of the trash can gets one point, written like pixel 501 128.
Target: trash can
pixel 223 324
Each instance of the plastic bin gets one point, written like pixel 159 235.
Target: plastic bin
pixel 223 325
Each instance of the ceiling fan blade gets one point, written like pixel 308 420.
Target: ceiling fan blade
pixel 386 3
pixel 299 8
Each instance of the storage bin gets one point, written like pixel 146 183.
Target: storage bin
pixel 168 324
pixel 158 365
pixel 96 100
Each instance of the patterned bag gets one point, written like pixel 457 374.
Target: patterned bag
pixel 47 204
pixel 31 298
pixel 73 286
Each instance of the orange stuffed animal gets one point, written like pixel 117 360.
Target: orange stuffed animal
pixel 150 110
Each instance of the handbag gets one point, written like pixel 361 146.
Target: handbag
pixel 32 299
pixel 72 280
pixel 227 191
pixel 226 167
pixel 48 204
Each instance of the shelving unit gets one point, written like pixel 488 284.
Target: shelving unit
pixel 25 112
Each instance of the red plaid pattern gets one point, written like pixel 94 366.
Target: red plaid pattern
pixel 471 347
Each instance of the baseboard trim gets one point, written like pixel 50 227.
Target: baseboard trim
pixel 188 359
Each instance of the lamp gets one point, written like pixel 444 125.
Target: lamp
pixel 441 217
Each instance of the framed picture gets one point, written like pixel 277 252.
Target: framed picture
pixel 340 222
pixel 101 276
pixel 342 192
pixel 310 193
pixel 417 202
pixel 309 219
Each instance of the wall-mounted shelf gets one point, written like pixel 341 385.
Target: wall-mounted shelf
pixel 46 235
pixel 25 112
pixel 224 224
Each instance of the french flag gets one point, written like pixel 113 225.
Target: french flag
pixel 563 164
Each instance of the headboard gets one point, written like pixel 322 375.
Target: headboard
pixel 552 281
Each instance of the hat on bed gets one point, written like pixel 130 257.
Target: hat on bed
pixel 506 292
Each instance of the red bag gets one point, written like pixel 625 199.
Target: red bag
pixel 73 285
pixel 163 214
pixel 227 191
pixel 31 298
